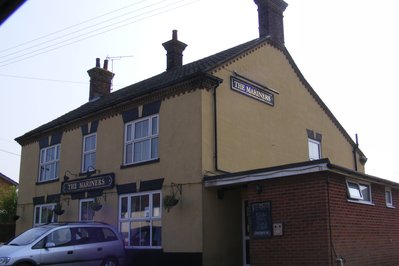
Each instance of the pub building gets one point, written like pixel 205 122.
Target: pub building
pixel 229 160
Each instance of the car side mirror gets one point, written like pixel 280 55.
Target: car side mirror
pixel 50 245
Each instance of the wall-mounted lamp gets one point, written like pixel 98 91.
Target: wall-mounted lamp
pixel 259 188
pixel 66 178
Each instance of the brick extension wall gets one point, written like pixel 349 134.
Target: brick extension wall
pixel 362 234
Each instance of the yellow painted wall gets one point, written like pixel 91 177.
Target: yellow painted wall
pixel 180 131
pixel 253 135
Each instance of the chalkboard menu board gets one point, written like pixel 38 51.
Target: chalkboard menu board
pixel 261 220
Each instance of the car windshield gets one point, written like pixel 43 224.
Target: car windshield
pixel 28 236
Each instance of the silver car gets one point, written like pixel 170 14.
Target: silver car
pixel 65 244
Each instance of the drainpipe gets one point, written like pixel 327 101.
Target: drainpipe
pixel 355 148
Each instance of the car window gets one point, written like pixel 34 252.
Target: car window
pixel 60 237
pixel 109 235
pixel 88 235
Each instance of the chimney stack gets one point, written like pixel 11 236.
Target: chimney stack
pixel 270 13
pixel 174 49
pixel 100 80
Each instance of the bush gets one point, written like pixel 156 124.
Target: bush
pixel 8 204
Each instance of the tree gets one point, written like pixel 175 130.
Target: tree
pixel 8 204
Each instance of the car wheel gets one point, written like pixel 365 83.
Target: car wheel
pixel 109 262
pixel 24 264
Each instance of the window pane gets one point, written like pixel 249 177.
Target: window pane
pixel 140 234
pixel 129 153
pixel 50 154
pixel 135 206
pixel 142 150
pixel 86 212
pixel 141 129
pixel 124 205
pixel 129 136
pixel 90 143
pixel 37 215
pixel 124 229
pixel 156 233
pixel 388 197
pixel 154 148
pixel 156 205
pixel 354 190
pixel 314 150
pixel 89 160
pixel 365 189
pixel 155 125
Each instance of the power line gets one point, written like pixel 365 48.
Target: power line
pixel 9 152
pixel 43 79
pixel 27 55
pixel 71 33
pixel 69 27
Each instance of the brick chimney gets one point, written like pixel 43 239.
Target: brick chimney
pixel 270 13
pixel 174 49
pixel 100 80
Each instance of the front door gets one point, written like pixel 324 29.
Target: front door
pixel 245 233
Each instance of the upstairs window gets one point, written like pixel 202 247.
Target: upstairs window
pixel 141 140
pixel 314 149
pixel 89 153
pixel 388 197
pixel 49 163
pixel 359 191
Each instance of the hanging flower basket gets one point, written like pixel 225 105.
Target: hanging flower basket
pixel 169 201
pixel 58 209
pixel 96 205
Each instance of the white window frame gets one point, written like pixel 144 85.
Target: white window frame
pixel 151 136
pixel 86 168
pixel 355 193
pixel 311 155
pixel 51 164
pixel 38 216
pixel 147 217
pixel 388 197
pixel 81 202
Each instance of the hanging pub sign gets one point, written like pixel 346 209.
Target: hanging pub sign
pixel 87 184
pixel 261 220
pixel 251 90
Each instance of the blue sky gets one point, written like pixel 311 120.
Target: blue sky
pixel 347 51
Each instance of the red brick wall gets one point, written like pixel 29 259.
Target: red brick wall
pixel 362 234
pixel 300 204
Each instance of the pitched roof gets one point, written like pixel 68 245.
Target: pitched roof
pixel 199 68
pixel 9 180
pixel 145 87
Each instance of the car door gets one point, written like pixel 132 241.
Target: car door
pixel 88 249
pixel 58 249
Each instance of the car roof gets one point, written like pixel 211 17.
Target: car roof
pixel 74 223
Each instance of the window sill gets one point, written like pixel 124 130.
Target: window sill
pixel 140 163
pixel 390 207
pixel 361 202
pixel 47 182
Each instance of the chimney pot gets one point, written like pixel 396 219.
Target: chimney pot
pixel 270 14
pixel 174 52
pixel 100 80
